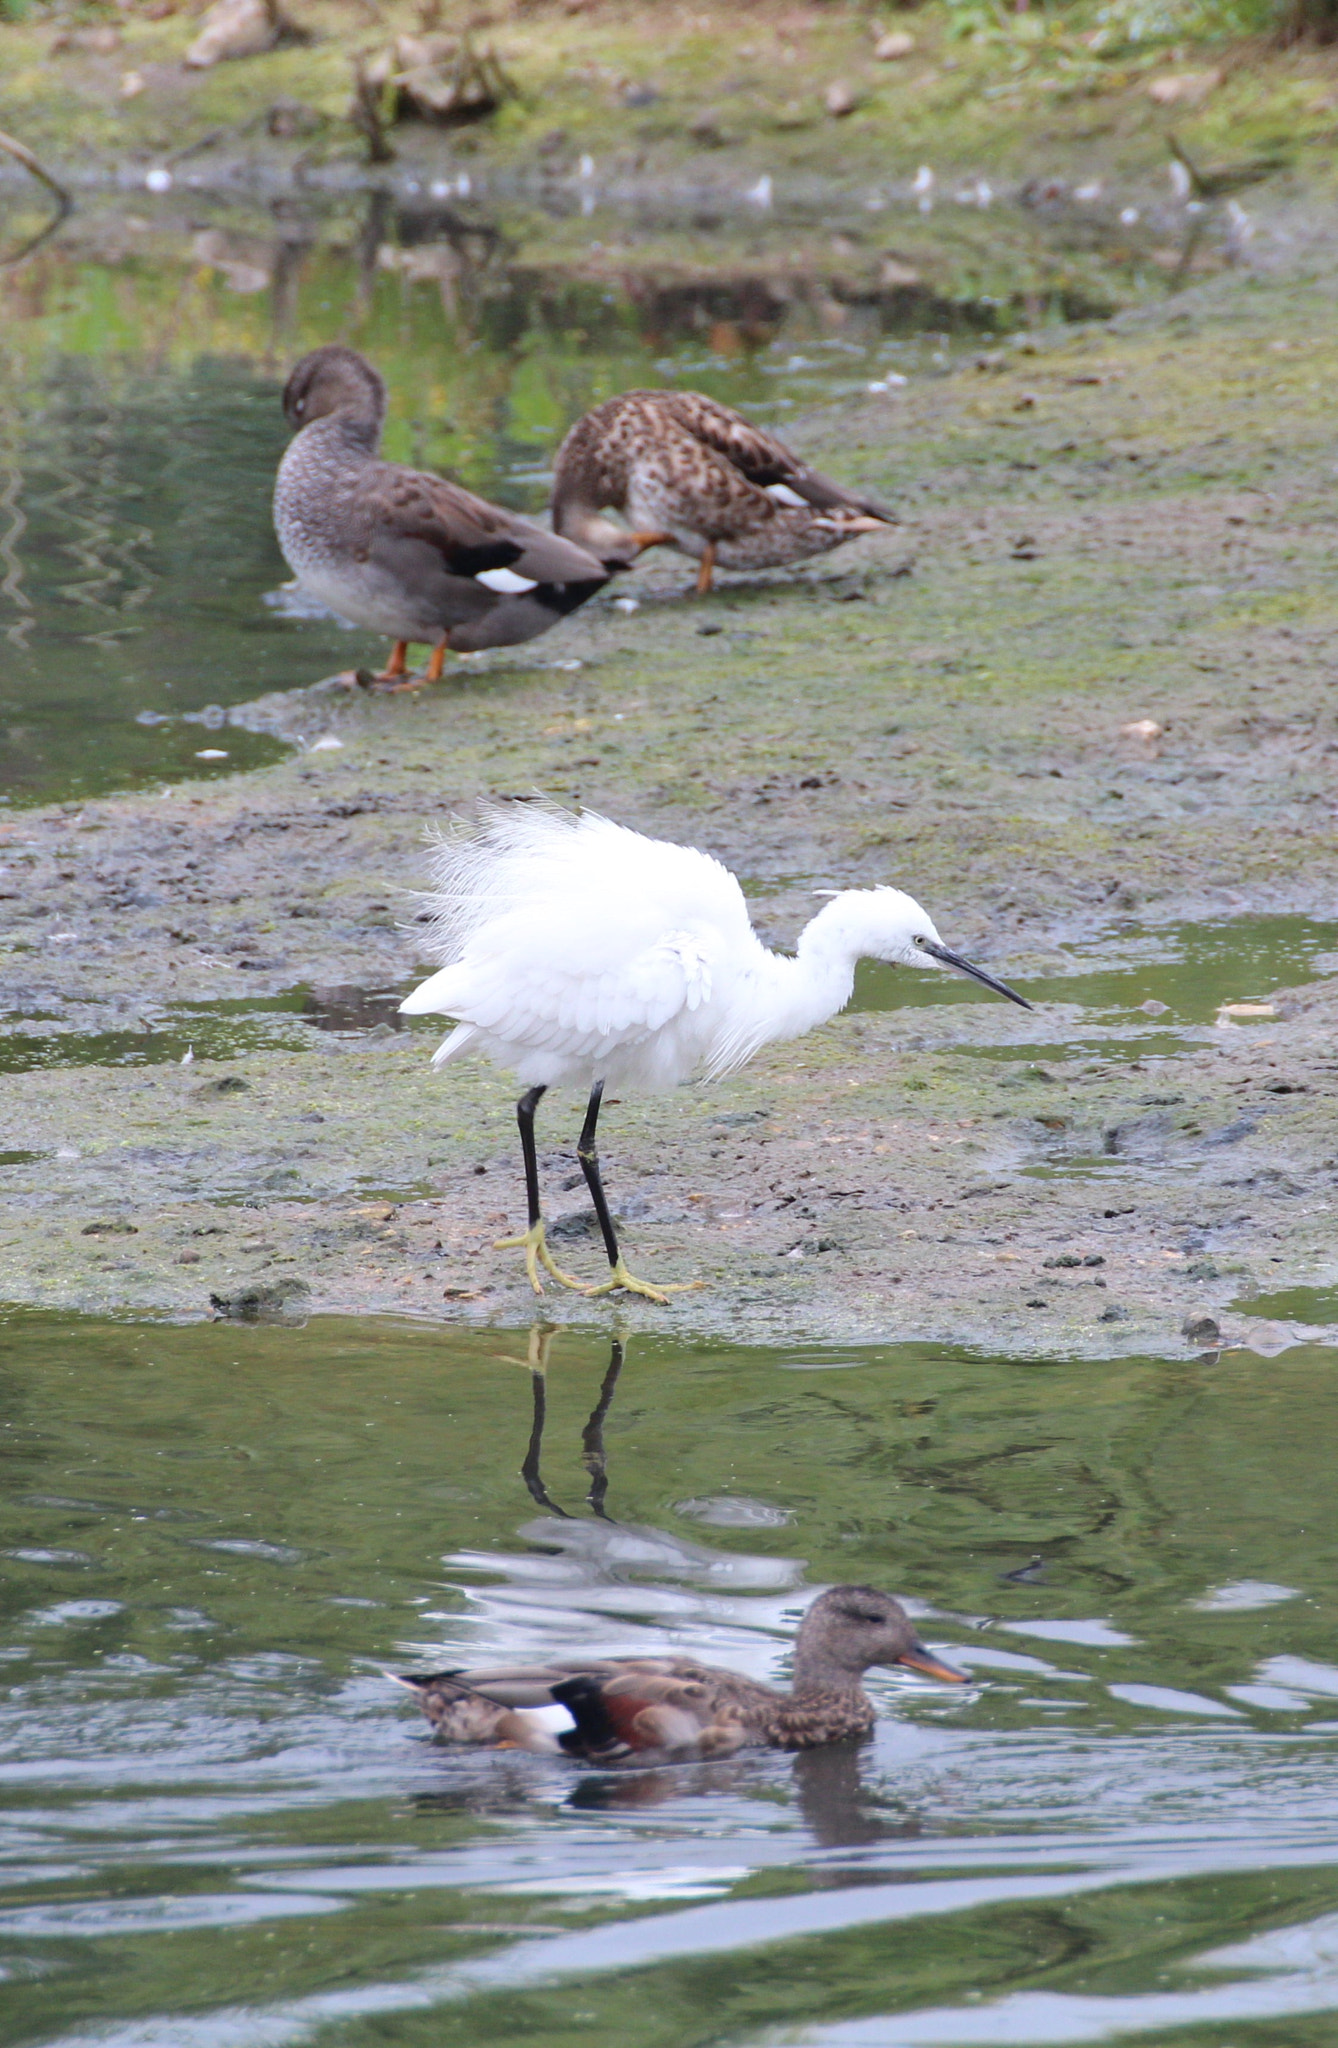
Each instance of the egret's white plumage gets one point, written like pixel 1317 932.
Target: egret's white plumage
pixel 579 951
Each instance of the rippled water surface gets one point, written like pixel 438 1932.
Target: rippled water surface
pixel 223 1827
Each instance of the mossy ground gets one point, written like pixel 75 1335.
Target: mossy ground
pixel 981 89
pixel 1122 522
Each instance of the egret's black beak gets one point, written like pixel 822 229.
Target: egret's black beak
pixel 951 959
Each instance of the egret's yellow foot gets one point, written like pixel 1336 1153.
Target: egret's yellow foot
pixel 621 1278
pixel 534 1244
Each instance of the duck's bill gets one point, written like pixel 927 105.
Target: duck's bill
pixel 951 959
pixel 921 1659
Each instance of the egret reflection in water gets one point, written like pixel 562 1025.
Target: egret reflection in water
pixel 593 1455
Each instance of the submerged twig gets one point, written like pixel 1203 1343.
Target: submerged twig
pixel 64 203
pixel 367 113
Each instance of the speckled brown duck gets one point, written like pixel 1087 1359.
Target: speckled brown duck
pixel 400 551
pixel 691 474
pixel 608 1709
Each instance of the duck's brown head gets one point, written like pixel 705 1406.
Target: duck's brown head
pixel 336 379
pixel 847 1629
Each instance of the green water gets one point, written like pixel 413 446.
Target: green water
pixel 1132 992
pixel 1097 1007
pixel 1314 1305
pixel 223 1828
pixel 165 1033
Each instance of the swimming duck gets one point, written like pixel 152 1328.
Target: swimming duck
pixel 607 1709
pixel 400 551
pixel 694 475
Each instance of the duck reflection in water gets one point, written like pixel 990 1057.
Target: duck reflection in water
pixel 839 1808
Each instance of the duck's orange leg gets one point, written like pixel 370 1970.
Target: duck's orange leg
pixel 431 674
pixel 706 569
pixel 643 541
pixel 397 664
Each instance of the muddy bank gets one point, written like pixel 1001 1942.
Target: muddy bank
pixel 1127 523
pixel 864 1189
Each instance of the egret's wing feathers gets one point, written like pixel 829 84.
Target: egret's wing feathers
pixel 572 939
pixel 535 857
pixel 541 997
pixel 672 975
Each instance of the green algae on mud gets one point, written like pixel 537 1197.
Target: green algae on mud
pixel 870 1186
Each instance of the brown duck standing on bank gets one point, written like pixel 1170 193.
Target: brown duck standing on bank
pixel 691 474
pixel 606 1709
pixel 402 552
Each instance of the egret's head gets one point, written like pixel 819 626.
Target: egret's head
pixel 900 930
pixel 335 379
pixel 889 925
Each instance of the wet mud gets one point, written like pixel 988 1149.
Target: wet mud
pixel 1114 524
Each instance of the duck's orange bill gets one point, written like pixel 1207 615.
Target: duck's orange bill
pixel 921 1659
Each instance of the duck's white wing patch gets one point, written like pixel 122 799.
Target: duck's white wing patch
pixel 781 494
pixel 554 1720
pixel 506 581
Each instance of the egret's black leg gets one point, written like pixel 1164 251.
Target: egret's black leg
pixel 534 1243
pixel 592 1436
pixel 525 1109
pixel 588 1155
pixel 589 1158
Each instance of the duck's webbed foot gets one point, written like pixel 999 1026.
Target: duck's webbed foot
pixel 621 1280
pixel 395 673
pixel 534 1243
pixel 395 676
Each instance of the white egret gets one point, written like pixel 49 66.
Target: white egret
pixel 579 951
